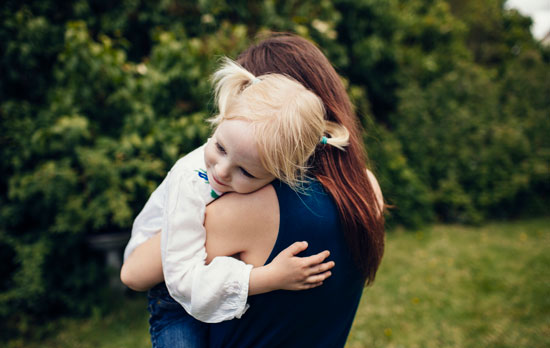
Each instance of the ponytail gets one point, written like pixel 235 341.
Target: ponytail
pixel 338 135
pixel 229 81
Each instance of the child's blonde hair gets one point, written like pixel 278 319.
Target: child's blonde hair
pixel 288 120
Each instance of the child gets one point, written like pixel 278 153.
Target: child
pixel 267 129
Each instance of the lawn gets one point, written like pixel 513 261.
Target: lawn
pixel 453 286
pixel 445 286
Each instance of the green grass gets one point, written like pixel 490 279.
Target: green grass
pixel 453 286
pixel 124 327
pixel 446 286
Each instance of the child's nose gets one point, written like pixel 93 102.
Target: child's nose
pixel 223 171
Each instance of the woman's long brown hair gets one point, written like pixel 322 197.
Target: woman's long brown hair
pixel 342 173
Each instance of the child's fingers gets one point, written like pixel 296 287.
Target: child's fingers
pixel 318 278
pixel 311 286
pixel 295 248
pixel 320 268
pixel 315 259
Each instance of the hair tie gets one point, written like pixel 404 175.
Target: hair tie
pixel 255 80
pixel 324 140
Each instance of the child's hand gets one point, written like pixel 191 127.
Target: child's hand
pixel 291 272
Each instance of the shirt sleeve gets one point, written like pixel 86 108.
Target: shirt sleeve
pixel 210 293
pixel 149 220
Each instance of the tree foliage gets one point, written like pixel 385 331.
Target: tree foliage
pixel 98 99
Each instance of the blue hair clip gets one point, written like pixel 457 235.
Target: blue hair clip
pixel 324 140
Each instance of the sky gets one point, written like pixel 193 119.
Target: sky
pixel 538 10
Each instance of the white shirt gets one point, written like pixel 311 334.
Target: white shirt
pixel 210 293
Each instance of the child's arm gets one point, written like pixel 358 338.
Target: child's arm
pixel 210 293
pixel 289 272
pixel 148 222
pixel 143 268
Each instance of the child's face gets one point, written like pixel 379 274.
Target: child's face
pixel 232 159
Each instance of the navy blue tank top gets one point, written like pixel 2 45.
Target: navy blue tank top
pixel 319 317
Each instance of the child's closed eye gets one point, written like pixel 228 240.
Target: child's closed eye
pixel 220 148
pixel 247 174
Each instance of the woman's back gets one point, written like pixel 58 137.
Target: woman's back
pixel 311 318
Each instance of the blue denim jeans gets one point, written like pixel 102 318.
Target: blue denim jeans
pixel 170 326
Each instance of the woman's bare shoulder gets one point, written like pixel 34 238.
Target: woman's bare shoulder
pixel 239 223
pixel 377 190
pixel 238 213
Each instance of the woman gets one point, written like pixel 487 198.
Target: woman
pixel 341 211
